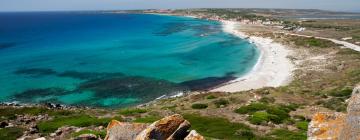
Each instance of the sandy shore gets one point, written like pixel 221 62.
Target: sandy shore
pixel 273 68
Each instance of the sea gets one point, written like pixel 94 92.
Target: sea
pixel 112 60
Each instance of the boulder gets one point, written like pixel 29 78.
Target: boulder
pixel 123 131
pixel 339 126
pixel 161 129
pixel 173 127
pixel 193 135
pixel 324 126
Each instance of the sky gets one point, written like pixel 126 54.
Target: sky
pixel 71 5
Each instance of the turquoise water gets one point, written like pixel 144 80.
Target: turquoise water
pixel 114 60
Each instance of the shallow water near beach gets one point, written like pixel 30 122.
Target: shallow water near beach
pixel 114 60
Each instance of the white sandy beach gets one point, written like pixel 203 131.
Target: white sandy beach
pixel 273 68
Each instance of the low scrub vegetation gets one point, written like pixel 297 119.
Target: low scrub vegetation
pixel 261 113
pixel 76 120
pixel 11 133
pixel 219 128
pixel 132 111
pixel 199 106
pixel 221 103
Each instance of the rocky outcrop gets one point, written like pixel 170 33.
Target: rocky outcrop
pixel 338 126
pixel 123 131
pixel 173 127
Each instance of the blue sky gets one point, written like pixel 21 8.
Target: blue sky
pixel 56 5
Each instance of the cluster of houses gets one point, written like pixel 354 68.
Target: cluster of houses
pixel 266 22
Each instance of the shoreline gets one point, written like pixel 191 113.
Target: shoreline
pixel 273 68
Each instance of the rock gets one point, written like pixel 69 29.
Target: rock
pixel 123 131
pixel 338 126
pixel 161 129
pixel 326 126
pixel 52 134
pixel 42 138
pixel 173 127
pixel 3 124
pixel 193 135
pixel 87 137
pixel 181 132
pixel 351 130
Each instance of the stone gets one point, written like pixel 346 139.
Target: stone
pixel 42 138
pixel 123 131
pixel 326 126
pixel 3 124
pixel 173 127
pixel 193 135
pixel 161 129
pixel 181 132
pixel 87 137
pixel 339 126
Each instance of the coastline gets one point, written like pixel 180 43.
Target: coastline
pixel 273 68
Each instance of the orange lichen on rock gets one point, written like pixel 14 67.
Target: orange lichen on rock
pixel 326 126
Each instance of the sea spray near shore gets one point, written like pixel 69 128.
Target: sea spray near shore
pixel 112 60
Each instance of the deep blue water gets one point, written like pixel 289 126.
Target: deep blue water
pixel 114 60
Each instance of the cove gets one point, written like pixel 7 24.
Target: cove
pixel 114 60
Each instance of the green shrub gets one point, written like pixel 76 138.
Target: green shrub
pixel 303 125
pixel 221 102
pixel 102 133
pixel 253 107
pixel 336 104
pixel 11 133
pixel 342 93
pixel 132 111
pixel 280 113
pixel 210 97
pixel 259 118
pixel 77 120
pixel 219 128
pixel 267 100
pixel 199 106
pixel 283 134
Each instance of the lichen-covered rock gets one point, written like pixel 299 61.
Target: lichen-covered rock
pixel 351 129
pixel 326 126
pixel 338 126
pixel 193 135
pixel 173 127
pixel 123 131
pixel 161 129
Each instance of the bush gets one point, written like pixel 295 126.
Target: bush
pixel 342 93
pixel 267 100
pixel 199 106
pixel 210 97
pixel 337 104
pixel 219 128
pixel 133 111
pixel 281 114
pixel 221 102
pixel 283 134
pixel 11 133
pixel 259 118
pixel 303 125
pixel 253 107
